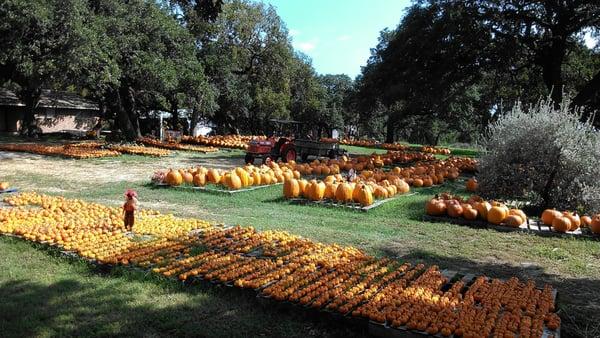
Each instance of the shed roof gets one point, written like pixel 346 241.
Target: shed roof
pixel 50 99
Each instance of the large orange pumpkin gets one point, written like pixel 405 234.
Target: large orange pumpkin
pixel 232 180
pixel 454 209
pixel 470 213
pixel 173 178
pixel 256 178
pixel 483 208
pixel 561 224
pixel 574 218
pixel 213 176
pixel 435 207
pixel 344 192
pixel 497 214
pixel 472 184
pixel 417 182
pixel 199 179
pixel 365 196
pixel 549 215
pixel 595 224
pixel 513 221
pixel 303 184
pixel 586 221
pixel 330 189
pixel 188 178
pixel 291 188
pixel 402 186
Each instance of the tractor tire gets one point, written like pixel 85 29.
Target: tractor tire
pixel 290 155
pixel 304 157
pixel 249 159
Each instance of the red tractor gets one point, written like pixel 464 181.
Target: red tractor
pixel 289 148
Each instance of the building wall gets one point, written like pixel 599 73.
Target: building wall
pixel 49 120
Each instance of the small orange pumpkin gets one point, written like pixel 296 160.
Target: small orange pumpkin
pixel 561 224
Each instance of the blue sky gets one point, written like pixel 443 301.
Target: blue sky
pixel 338 34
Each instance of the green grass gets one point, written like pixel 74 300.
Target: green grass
pixel 353 150
pixel 160 307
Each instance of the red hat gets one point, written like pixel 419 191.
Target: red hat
pixel 130 193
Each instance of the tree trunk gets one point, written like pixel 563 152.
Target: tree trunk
pixel 31 97
pixel 551 62
pixel 390 136
pixel 126 116
pixel 193 121
pixel 587 95
pixel 174 113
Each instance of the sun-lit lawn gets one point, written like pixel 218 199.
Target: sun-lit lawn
pixel 161 307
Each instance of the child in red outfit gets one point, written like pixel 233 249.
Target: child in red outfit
pixel 129 208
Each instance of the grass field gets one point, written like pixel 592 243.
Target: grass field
pixel 34 282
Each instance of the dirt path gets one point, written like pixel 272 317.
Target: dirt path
pixel 105 170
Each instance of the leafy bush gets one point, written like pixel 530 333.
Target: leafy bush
pixel 542 155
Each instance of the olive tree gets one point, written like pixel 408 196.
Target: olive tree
pixel 544 155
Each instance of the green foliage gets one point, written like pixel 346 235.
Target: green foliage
pixel 542 155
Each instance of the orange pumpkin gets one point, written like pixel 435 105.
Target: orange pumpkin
pixel 483 208
pixel 595 224
pixel 454 209
pixel 173 178
pixel 303 184
pixel 513 221
pixel 549 215
pixel 417 182
pixel 586 221
pixel 344 193
pixel 365 196
pixel 199 179
pixel 472 184
pixel 470 213
pixel 291 188
pixel 561 224
pixel 574 218
pixel 497 214
pixel 435 207
pixel 213 176
pixel 188 178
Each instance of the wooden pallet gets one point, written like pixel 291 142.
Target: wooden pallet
pixel 351 206
pixel 9 191
pixel 214 190
pixel 531 226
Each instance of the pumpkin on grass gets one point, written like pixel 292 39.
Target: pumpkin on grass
pixel 344 192
pixel 586 221
pixel 365 196
pixel 213 176
pixel 470 213
pixel 4 186
pixel 454 209
pixel 497 214
pixel 574 218
pixel 472 184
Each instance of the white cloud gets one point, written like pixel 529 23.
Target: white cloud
pixel 590 42
pixel 344 37
pixel 306 46
pixel 293 32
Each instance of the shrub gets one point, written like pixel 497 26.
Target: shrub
pixel 542 155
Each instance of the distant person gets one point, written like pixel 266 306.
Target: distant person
pixel 129 208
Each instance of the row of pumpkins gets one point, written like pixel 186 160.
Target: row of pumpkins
pixel 222 141
pixel 475 208
pixel 570 221
pixel 337 188
pixel 234 179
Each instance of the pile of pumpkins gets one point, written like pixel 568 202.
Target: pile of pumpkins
pixel 338 189
pixel 570 221
pixel 222 141
pixel 237 178
pixel 475 208
pixel 435 150
pixel 4 186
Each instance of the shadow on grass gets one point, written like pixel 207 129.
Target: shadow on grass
pixel 577 300
pixel 78 307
